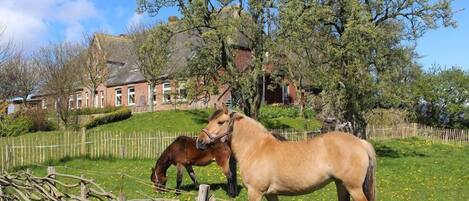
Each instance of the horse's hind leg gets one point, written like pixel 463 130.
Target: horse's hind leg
pixel 191 173
pixel 357 194
pixel 178 178
pixel 342 192
pixel 272 197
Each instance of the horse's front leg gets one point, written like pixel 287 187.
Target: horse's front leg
pixel 178 178
pixel 228 165
pixel 191 173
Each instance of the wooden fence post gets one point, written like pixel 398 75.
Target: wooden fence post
pixel 51 173
pixel 9 156
pixel 83 141
pixel 204 191
pixel 83 189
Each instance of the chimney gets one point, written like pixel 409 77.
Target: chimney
pixel 172 19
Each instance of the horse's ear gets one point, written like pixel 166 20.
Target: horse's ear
pixel 225 109
pixel 237 116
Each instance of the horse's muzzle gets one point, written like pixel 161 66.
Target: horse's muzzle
pixel 200 145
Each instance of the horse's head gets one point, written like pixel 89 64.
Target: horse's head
pixel 219 128
pixel 158 179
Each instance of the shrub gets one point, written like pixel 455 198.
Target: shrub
pixel 39 119
pixel 386 117
pixel 118 115
pixel 14 126
pixel 278 111
pixel 89 110
pixel 270 112
pixel 309 113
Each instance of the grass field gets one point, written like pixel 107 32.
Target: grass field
pixel 408 169
pixel 193 120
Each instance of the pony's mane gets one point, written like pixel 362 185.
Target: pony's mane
pixel 262 128
pixel 215 114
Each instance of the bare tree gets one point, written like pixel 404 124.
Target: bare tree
pixel 60 64
pixel 24 76
pixel 95 71
pixel 6 53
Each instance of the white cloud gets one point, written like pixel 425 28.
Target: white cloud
pixel 135 19
pixel 28 23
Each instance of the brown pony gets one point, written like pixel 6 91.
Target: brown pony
pixel 183 154
pixel 270 167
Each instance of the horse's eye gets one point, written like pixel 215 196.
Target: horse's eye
pixel 221 122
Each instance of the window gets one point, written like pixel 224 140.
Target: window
pixel 101 94
pixel 182 92
pixel 70 102
pixel 166 92
pixel 154 95
pixel 118 93
pixel 131 96
pixel 285 96
pixel 78 100
pixel 44 103
pixel 87 98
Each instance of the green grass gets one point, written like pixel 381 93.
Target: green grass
pixel 193 121
pixel 408 169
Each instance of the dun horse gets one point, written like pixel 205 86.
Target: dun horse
pixel 270 167
pixel 183 154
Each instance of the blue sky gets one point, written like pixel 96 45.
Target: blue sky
pixel 34 23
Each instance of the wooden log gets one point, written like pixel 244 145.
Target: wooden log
pixel 83 189
pixel 204 191
pixel 51 173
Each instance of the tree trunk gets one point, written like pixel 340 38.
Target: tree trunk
pixel 152 93
pixel 92 94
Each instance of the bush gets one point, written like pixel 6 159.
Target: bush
pixel 89 110
pixel 309 113
pixel 272 112
pixel 39 120
pixel 386 117
pixel 121 114
pixel 13 126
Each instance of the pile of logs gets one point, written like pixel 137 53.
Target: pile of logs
pixel 23 185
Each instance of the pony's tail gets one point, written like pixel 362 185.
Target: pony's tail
pixel 369 185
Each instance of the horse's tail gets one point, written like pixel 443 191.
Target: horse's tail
pixel 369 185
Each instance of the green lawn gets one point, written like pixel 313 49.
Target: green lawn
pixel 408 169
pixel 192 121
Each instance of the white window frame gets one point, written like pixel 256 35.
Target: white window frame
pixel 165 91
pixel 152 99
pixel 116 97
pixel 44 103
pixel 79 100
pixel 182 86
pixel 129 93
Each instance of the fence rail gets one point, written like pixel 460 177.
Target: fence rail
pixel 39 148
pixel 455 136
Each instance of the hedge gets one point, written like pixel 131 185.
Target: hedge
pixel 14 126
pixel 90 110
pixel 271 112
pixel 118 115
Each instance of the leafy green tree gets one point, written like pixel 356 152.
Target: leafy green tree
pixel 220 26
pixel 153 50
pixel 443 98
pixel 361 47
